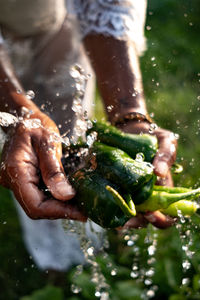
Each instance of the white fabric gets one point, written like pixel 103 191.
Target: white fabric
pixel 29 17
pixel 49 245
pixel 122 19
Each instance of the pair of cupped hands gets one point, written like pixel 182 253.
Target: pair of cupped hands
pixel 32 152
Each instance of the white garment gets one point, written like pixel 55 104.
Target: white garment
pixel 29 17
pixel 48 244
pixel 122 19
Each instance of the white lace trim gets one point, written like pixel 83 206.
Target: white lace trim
pixel 122 19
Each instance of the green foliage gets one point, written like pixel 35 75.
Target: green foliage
pixel 47 293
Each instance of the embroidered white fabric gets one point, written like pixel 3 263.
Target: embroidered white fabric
pixel 122 19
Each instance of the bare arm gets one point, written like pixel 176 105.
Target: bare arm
pixel 119 79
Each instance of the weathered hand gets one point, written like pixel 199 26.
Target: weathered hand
pixel 33 151
pixel 167 144
pixel 162 162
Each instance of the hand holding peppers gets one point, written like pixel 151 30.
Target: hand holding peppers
pixel 108 189
pixel 167 144
pixel 31 152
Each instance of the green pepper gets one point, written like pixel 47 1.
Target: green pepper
pixel 141 195
pixel 162 200
pixel 100 200
pixel 119 168
pixel 182 207
pixel 129 143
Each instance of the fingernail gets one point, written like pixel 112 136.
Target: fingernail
pixel 65 190
pixel 162 169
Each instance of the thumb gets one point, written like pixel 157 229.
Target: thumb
pixel 54 177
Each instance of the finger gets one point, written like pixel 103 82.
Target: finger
pixel 33 200
pixel 167 181
pixel 53 174
pixel 136 222
pixel 55 209
pixel 166 154
pixel 159 220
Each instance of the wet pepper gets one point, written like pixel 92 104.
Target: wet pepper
pixel 129 143
pixel 112 182
pixel 100 201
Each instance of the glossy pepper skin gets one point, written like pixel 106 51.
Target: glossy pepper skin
pixel 96 201
pixel 129 143
pixel 119 168
pixel 143 193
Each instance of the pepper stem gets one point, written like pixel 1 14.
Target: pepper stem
pixel 130 212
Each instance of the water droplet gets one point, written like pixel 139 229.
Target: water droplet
pixel 77 106
pixel 151 114
pixel 113 272
pixel 7 119
pixel 130 243
pixel 98 294
pixel 134 274
pixel 152 127
pixel 90 251
pixel 186 264
pixel 150 293
pixel 89 124
pixel 148 282
pixel 91 138
pixel 139 157
pixel 30 94
pixel 176 135
pixel 151 250
pixel 75 289
pixel 185 281
pixel 110 108
pixel 150 272
pixel 148 27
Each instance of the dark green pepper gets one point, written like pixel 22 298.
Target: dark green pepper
pixel 100 200
pixel 144 192
pixel 129 143
pixel 119 168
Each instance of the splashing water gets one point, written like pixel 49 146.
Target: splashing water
pixel 92 238
pixel 153 127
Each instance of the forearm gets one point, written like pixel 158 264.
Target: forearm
pixel 118 75
pixel 12 95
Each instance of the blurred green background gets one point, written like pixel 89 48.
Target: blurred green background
pixel 168 261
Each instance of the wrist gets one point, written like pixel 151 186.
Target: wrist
pixel 125 106
pixel 132 116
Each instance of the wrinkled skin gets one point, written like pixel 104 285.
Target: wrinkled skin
pixel 162 162
pixel 28 154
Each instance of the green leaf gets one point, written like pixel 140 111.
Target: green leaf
pixel 47 293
